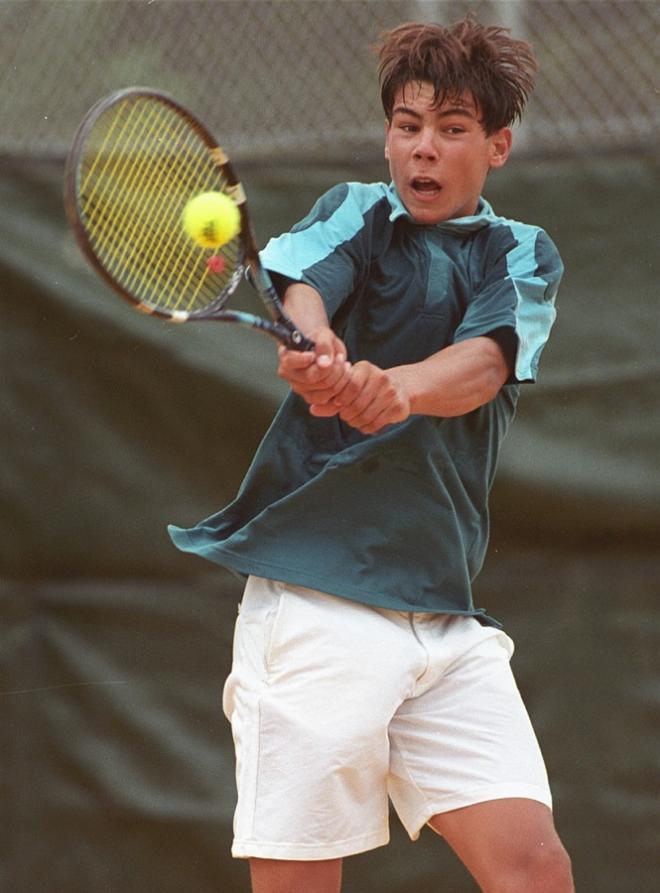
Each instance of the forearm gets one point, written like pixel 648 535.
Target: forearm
pixel 455 380
pixel 305 307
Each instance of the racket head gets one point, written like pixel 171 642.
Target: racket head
pixel 137 158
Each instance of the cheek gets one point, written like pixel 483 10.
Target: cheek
pixel 392 163
pixel 476 168
pixel 391 152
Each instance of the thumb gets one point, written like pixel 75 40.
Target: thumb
pixel 326 348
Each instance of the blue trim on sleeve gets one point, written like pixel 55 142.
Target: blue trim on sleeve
pixel 535 270
pixel 329 225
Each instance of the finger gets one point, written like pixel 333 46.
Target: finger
pixel 355 386
pixel 372 398
pixel 296 372
pixel 378 415
pixel 317 381
pixel 323 411
pixel 378 403
pixel 295 359
pixel 328 349
pixel 375 424
pixel 329 389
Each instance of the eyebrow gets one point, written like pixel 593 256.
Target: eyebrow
pixel 454 110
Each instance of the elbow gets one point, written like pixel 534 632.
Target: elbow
pixel 496 377
pixel 495 373
pixel 491 374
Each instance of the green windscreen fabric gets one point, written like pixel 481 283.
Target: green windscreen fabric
pixel 115 424
pixel 116 759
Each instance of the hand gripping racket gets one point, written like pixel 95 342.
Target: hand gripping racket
pixel 138 157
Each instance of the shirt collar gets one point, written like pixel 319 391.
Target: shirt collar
pixel 484 215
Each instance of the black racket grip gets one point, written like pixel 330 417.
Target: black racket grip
pixel 292 337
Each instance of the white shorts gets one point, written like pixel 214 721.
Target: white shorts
pixel 335 705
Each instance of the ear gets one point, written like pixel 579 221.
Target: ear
pixel 387 133
pixel 500 147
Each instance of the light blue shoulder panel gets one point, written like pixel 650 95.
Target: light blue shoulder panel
pixel 335 219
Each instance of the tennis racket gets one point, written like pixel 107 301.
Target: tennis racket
pixel 137 158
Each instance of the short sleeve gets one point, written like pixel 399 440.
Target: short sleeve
pixel 327 249
pixel 518 289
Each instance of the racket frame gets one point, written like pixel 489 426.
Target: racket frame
pixel 280 326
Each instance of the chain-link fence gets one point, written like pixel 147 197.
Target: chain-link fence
pixel 296 79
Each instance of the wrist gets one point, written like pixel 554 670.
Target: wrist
pixel 405 379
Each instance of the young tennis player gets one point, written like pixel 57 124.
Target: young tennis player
pixel 362 669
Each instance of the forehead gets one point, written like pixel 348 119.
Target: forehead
pixel 419 96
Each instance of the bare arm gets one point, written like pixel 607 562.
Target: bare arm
pixel 452 382
pixel 455 380
pixel 305 307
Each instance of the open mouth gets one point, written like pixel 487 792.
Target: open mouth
pixel 425 186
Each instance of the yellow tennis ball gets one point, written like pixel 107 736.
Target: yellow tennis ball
pixel 212 219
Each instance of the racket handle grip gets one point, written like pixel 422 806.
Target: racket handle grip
pixel 301 342
pixel 292 337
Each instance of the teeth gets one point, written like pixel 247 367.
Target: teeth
pixel 421 183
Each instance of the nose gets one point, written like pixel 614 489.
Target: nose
pixel 425 147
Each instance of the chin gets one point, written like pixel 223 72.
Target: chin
pixel 428 217
pixel 429 213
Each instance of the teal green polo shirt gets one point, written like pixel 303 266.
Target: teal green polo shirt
pixel 398 519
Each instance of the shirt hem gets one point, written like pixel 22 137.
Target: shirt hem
pixel 223 556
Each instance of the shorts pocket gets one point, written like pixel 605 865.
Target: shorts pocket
pixel 274 633
pixel 257 630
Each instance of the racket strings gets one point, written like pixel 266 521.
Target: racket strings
pixel 149 230
pixel 158 237
pixel 123 221
pixel 148 224
pixel 110 203
pixel 142 163
pixel 182 279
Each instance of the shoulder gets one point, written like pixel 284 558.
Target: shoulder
pixel 518 245
pixel 341 231
pixel 351 202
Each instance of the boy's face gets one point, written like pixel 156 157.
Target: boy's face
pixel 439 157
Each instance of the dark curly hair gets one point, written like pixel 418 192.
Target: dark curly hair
pixel 485 61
